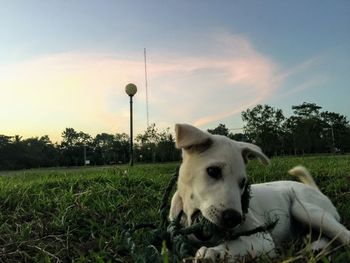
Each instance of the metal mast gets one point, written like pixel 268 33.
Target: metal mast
pixel 146 87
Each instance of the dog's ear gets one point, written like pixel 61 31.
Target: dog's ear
pixel 176 206
pixel 252 149
pixel 191 138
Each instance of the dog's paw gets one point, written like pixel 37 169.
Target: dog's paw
pixel 209 254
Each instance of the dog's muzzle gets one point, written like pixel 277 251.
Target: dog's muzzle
pixel 230 218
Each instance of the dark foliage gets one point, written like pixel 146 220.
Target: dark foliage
pixel 78 147
pixel 308 131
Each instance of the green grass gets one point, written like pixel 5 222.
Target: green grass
pixel 77 215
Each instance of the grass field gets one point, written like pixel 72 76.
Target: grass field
pixel 77 215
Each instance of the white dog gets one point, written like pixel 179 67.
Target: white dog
pixel 212 180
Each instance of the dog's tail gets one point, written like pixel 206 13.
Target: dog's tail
pixel 303 175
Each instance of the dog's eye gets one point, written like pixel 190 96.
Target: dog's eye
pixel 242 183
pixel 214 172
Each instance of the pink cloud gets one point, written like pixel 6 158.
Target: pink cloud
pixel 86 90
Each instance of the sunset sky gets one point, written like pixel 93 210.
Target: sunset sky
pixel 65 63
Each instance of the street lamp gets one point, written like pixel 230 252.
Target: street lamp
pixel 131 90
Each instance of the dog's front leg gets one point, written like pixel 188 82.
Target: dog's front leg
pixel 252 246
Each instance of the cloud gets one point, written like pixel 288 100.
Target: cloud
pixel 306 85
pixel 207 89
pixel 300 78
pixel 86 90
pixel 299 68
pixel 66 90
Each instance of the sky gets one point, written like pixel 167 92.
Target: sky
pixel 65 63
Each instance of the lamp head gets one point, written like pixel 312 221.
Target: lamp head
pixel 131 89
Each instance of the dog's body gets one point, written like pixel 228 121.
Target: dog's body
pixel 212 181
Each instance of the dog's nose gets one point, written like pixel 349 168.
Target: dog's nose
pixel 231 218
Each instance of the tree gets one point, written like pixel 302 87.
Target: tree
pixel 121 146
pixel 147 144
pixel 335 130
pixel 166 147
pixel 220 130
pixel 241 137
pixel 69 138
pixel 307 110
pixel 156 146
pixel 289 135
pixel 103 148
pixel 307 127
pixel 5 149
pixel 16 153
pixel 40 152
pixel 149 136
pixel 5 140
pixel 110 149
pixel 73 146
pixel 264 126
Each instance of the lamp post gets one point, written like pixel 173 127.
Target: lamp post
pixel 131 90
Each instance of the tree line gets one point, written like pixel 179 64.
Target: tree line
pixel 77 148
pixel 308 131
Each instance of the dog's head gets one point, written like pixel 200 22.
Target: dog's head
pixel 212 176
